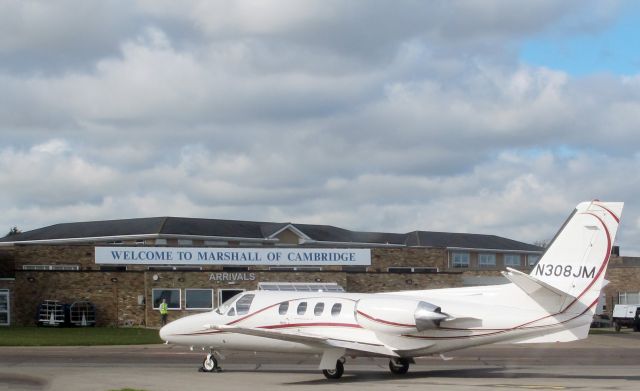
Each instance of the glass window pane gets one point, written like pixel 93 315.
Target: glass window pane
pixel 335 310
pixel 533 259
pixel 487 259
pixel 512 260
pixel 319 309
pixel 244 303
pixel 199 298
pixel 284 307
pixel 232 312
pixel 460 259
pixel 172 296
pixel 302 308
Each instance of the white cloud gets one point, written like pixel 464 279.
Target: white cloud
pixel 338 113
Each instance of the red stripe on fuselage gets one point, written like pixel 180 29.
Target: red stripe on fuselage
pixel 385 321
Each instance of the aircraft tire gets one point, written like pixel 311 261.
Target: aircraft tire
pixel 399 366
pixel 334 373
pixel 209 364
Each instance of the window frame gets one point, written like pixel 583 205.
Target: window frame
pixel 507 256
pixel 186 298
pixel 7 292
pixel 333 309
pixel 153 301
pixel 300 305
pixel 535 262
pixel 52 267
pixel 483 263
pixel 460 266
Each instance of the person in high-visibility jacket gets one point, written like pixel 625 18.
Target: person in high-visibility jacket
pixel 164 310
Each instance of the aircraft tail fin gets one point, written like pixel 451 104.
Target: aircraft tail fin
pixel 573 267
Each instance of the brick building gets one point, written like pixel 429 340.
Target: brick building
pixel 126 267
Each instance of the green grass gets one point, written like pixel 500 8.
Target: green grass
pixel 85 336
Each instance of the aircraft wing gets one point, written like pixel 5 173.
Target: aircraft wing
pixel 307 338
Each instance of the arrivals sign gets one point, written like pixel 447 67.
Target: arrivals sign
pixel 232 256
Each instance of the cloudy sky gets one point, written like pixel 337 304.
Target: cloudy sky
pixel 492 116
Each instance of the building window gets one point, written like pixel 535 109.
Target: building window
pixel 318 309
pixel 335 310
pixel 295 268
pixel 113 268
pixel 354 269
pixel 235 268
pixel 283 308
pixel 628 298
pixel 513 260
pixel 185 242
pixel 4 307
pixel 302 308
pixel 460 259
pixel 161 242
pixel 198 299
pixel 172 296
pixel 412 270
pixel 215 243
pixel 487 260
pixel 532 259
pixel 52 267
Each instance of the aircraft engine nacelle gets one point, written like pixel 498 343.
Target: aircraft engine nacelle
pixel 397 315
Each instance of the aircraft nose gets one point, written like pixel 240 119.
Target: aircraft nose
pixel 166 331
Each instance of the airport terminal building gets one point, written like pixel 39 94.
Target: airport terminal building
pixel 124 268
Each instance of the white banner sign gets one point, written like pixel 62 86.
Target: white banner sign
pixel 232 256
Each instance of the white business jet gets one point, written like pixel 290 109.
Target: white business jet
pixel 554 303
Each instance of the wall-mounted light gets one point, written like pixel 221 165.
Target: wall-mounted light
pixel 181 279
pixel 408 281
pixel 318 279
pixel 31 279
pixel 155 277
pixel 114 279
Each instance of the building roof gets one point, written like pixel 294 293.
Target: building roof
pixel 254 231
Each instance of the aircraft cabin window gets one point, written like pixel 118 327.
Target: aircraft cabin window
pixel 232 312
pixel 243 304
pixel 284 307
pixel 335 310
pixel 302 308
pixel 318 309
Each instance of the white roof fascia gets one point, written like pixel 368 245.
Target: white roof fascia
pixel 293 229
pixel 494 250
pixel 352 244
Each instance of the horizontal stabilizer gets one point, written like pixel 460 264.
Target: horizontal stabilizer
pixel 310 339
pixel 549 297
pixel 574 334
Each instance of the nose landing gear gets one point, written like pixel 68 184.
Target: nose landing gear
pixel 210 363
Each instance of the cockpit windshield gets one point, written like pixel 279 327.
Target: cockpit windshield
pixel 242 303
pixel 222 309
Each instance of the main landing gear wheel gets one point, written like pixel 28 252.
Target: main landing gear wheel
pixel 210 364
pixel 399 366
pixel 334 373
